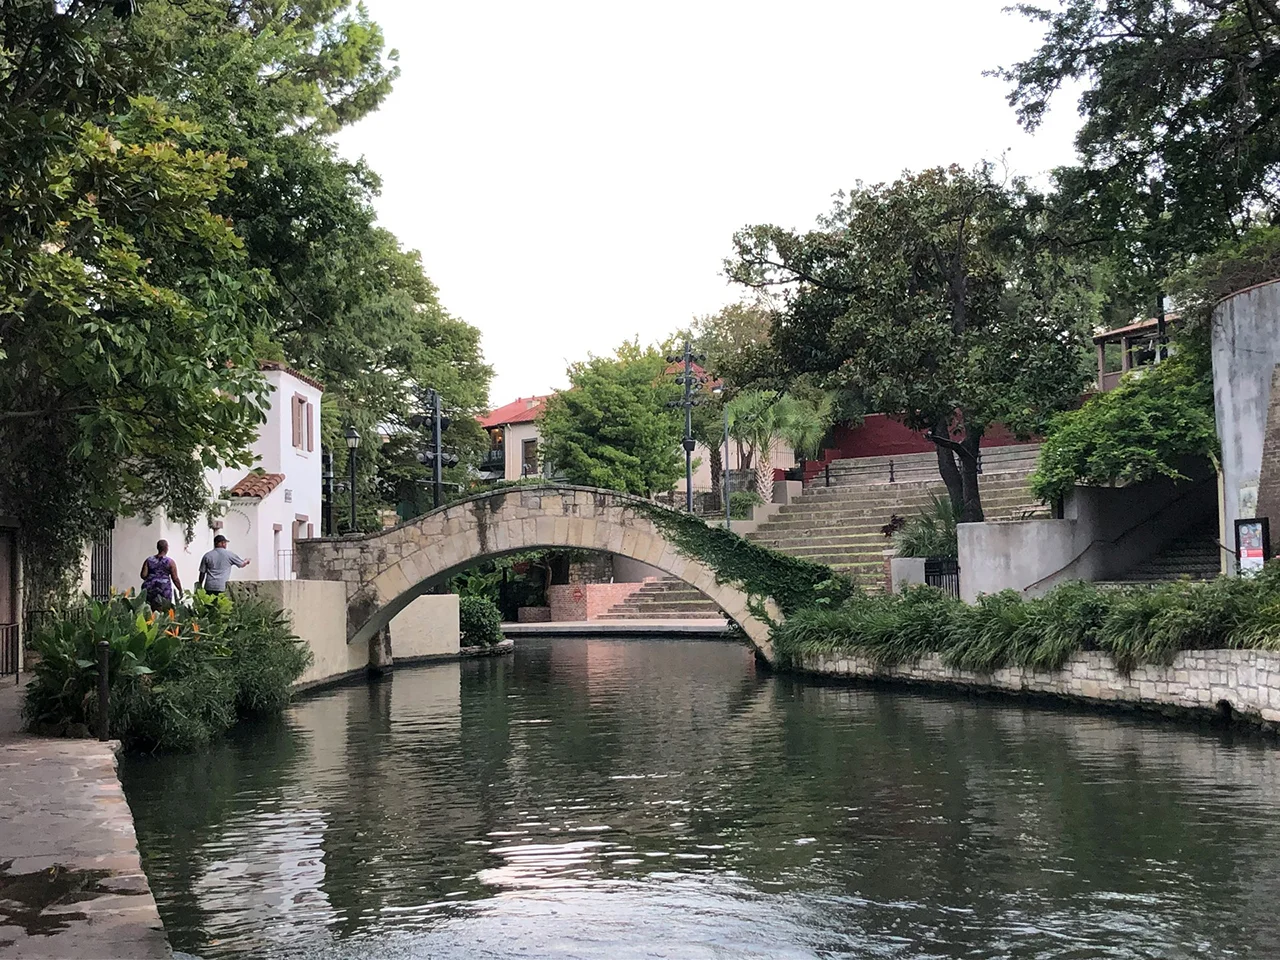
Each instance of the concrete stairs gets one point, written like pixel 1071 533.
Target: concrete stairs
pixel 1193 557
pixel 664 599
pixel 840 525
pixel 912 467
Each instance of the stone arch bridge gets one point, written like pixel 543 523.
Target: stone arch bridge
pixel 385 571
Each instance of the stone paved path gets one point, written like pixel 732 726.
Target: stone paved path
pixel 71 882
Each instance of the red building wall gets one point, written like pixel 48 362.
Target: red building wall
pixel 881 436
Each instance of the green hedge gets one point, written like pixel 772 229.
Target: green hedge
pixel 480 622
pixel 178 678
pixel 1134 625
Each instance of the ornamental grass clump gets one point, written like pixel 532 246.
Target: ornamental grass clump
pixel 1134 625
pixel 178 678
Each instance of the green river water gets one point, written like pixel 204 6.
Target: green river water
pixel 636 799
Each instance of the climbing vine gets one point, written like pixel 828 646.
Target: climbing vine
pixel 763 573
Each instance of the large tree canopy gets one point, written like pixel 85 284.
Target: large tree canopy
pixel 940 299
pixel 1180 146
pixel 614 428
pixel 269 82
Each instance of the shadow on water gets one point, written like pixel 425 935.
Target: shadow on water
pixel 614 799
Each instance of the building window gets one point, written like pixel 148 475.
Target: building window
pixel 303 422
pixel 529 458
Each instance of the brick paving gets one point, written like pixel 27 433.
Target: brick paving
pixel 71 881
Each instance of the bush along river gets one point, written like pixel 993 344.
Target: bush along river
pixel 618 799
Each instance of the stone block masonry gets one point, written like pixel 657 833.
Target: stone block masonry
pixel 1244 684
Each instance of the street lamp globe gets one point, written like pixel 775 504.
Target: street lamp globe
pixel 353 438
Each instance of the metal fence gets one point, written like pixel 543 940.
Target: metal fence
pixel 10 655
pixel 100 565
pixel 285 569
pixel 943 573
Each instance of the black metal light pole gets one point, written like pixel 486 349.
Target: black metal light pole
pixel 689 379
pixel 718 390
pixel 353 444
pixel 437 478
pixel 326 478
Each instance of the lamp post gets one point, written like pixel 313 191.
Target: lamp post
pixel 718 390
pixel 353 444
pixel 326 477
pixel 689 380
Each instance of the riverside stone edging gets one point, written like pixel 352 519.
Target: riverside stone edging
pixel 363 673
pixel 1197 681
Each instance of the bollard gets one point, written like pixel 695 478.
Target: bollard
pixel 104 689
pixel 891 480
pixel 828 473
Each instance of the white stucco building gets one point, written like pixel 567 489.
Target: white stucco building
pixel 264 508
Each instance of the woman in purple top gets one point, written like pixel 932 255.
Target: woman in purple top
pixel 160 577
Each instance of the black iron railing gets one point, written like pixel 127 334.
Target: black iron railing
pixel 10 651
pixel 943 573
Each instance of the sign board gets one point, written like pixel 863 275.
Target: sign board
pixel 578 595
pixel 1253 544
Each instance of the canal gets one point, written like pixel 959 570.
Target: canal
pixel 619 799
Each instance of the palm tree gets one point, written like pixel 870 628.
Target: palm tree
pixel 805 424
pixel 756 419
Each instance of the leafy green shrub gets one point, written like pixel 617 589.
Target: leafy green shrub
pixel 931 533
pixel 177 679
pixel 741 503
pixel 480 622
pixel 1144 428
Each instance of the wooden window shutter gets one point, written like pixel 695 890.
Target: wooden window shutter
pixel 297 422
pixel 310 425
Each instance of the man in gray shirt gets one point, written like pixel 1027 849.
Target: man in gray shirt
pixel 215 566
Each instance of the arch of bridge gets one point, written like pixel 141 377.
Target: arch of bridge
pixel 385 571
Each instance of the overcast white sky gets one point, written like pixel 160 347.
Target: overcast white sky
pixel 573 172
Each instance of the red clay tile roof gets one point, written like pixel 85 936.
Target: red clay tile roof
pixel 522 410
pixel 284 367
pixel 257 485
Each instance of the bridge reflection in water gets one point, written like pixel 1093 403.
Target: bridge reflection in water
pixel 598 798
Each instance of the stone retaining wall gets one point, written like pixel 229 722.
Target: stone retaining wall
pixel 1247 681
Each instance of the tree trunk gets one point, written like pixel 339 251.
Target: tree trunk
pixel 948 470
pixel 717 477
pixel 958 466
pixel 764 475
pixel 972 509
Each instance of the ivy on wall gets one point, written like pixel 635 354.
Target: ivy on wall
pixel 762 573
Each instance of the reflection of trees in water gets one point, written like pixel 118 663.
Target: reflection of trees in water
pixel 184 806
pixel 944 817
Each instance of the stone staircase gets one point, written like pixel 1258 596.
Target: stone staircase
pixel 1193 557
pixel 840 525
pixel 664 599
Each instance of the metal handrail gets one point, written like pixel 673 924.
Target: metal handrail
pixel 1124 533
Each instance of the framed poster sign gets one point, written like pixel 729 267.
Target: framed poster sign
pixel 1253 544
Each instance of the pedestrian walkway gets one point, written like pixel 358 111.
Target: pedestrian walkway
pixel 71 881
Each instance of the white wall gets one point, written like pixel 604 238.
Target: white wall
pixel 514 435
pixel 317 609
pixel 428 627
pixel 250 523
pixel 1245 341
